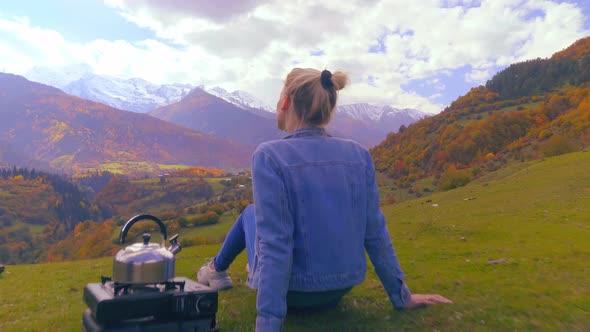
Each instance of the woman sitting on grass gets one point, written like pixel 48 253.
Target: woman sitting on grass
pixel 315 212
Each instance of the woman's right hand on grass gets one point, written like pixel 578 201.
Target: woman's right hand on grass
pixel 422 300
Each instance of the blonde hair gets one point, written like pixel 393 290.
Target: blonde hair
pixel 314 93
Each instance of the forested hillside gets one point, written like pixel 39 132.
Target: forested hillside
pixel 50 217
pixel 36 210
pixel 184 201
pixel 527 111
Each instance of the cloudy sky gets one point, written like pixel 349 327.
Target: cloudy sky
pixel 404 53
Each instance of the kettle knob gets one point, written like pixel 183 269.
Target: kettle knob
pixel 146 238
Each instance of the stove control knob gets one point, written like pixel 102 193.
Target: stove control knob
pixel 204 304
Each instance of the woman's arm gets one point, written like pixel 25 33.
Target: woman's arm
pixel 380 249
pixel 274 231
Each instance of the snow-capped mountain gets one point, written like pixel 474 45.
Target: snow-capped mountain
pixel 212 115
pixel 385 117
pixel 365 123
pixel 242 99
pixel 362 112
pixel 134 94
pixel 370 124
pixel 376 113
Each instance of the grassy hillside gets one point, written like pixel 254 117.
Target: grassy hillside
pixel 511 249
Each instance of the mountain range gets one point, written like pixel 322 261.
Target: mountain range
pixel 136 94
pixel 70 134
pixel 209 114
pixel 370 124
pixel 367 124
pixel 242 99
pixel 529 110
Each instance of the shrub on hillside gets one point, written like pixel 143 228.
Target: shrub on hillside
pixel 168 215
pixel 198 240
pixel 557 145
pixel 207 218
pixel 453 178
pixel 218 208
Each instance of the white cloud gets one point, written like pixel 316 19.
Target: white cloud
pixel 478 77
pixel 22 45
pixel 219 10
pixel 251 45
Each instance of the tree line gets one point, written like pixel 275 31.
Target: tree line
pixel 535 77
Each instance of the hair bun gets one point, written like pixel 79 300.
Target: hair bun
pixel 326 79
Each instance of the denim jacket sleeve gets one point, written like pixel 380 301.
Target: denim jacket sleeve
pixel 379 247
pixel 274 229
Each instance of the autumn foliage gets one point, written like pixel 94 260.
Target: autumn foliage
pixel 535 115
pixel 200 171
pixel 89 239
pixel 577 50
pixel 36 210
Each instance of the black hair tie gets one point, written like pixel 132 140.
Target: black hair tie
pixel 326 79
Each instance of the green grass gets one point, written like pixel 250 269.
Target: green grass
pixel 34 229
pixel 173 167
pixel 216 184
pixel 214 232
pixel 155 181
pixel 111 167
pixel 525 107
pixel 534 215
pixel 139 167
pixel 147 181
pixel 466 118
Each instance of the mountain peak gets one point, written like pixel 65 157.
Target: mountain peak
pixel 242 99
pixel 135 94
pixel 375 113
pixel 195 93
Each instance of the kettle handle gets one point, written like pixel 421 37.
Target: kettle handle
pixel 137 218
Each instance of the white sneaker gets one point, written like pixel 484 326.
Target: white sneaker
pixel 214 279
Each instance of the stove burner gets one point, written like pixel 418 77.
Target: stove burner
pixel 121 288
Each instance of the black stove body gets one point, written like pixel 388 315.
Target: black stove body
pixel 179 304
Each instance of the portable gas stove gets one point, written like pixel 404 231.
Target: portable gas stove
pixel 179 304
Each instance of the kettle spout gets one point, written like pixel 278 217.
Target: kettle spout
pixel 175 246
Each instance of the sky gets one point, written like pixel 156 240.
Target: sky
pixel 403 53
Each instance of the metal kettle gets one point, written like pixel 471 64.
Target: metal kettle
pixel 147 262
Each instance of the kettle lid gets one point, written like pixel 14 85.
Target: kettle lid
pixel 142 247
pixel 143 252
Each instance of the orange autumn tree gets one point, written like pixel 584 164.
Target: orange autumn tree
pixel 89 239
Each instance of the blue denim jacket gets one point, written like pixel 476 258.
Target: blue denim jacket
pixel 317 211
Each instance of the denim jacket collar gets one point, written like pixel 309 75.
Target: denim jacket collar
pixel 307 131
